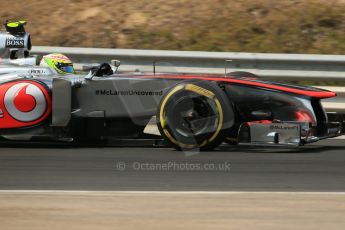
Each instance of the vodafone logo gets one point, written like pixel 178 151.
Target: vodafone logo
pixel 25 102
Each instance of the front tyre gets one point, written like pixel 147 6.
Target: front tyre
pixel 242 74
pixel 195 115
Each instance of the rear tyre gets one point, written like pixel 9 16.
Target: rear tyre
pixel 195 115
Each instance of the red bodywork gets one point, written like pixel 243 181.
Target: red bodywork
pixel 23 103
pixel 321 94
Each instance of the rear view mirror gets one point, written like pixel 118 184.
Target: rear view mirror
pixel 115 63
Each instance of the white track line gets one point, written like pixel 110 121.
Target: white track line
pixel 169 192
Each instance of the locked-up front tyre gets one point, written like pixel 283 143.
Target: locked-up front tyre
pixel 195 115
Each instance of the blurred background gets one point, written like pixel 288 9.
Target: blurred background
pixel 283 26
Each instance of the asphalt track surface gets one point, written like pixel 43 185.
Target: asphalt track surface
pixel 317 167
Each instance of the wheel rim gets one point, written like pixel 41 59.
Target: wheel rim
pixel 193 115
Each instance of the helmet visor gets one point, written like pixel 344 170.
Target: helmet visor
pixel 65 67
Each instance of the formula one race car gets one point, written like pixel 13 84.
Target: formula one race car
pixel 190 111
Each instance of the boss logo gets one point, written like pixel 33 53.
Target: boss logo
pixel 14 43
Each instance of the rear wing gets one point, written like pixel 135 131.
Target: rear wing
pixel 15 43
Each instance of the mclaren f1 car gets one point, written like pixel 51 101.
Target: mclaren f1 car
pixel 186 111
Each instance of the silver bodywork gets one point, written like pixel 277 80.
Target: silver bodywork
pixel 276 133
pixel 121 96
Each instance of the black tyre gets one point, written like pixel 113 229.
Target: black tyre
pixel 242 74
pixel 195 115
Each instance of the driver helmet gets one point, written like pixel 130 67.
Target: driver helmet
pixel 59 62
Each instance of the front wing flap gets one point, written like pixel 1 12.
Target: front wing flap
pixel 286 133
